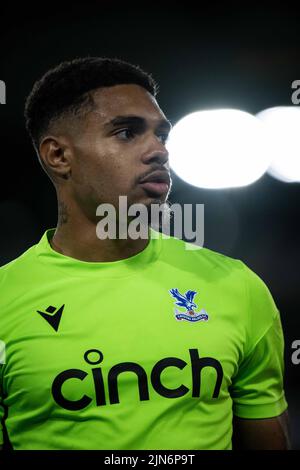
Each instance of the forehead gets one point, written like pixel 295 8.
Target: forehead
pixel 126 100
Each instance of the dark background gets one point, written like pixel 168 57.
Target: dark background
pixel 203 56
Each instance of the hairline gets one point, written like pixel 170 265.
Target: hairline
pixel 80 110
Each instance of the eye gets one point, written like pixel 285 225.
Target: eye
pixel 126 134
pixel 163 138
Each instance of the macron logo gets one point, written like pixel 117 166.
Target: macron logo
pixel 52 315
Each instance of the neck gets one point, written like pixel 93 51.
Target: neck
pixel 76 236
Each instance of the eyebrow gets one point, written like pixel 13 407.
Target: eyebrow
pixel 137 121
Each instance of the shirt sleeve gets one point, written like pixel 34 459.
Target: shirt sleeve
pixel 257 388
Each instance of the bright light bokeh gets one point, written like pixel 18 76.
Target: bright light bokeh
pixel 219 148
pixel 283 126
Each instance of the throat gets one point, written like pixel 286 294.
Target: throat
pixel 85 246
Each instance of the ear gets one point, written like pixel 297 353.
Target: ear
pixel 56 155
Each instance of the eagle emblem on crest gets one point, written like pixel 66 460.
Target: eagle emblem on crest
pixel 186 301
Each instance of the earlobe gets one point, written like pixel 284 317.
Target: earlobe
pixel 55 156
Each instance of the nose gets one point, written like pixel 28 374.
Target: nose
pixel 156 153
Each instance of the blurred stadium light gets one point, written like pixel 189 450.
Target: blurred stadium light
pixel 219 148
pixel 283 125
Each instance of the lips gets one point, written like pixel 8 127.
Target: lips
pixel 157 182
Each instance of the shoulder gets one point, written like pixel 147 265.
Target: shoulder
pixel 187 254
pixel 227 275
pixel 19 266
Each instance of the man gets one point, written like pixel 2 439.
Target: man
pixel 95 357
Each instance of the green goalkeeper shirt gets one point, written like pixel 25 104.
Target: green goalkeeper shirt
pixel 156 351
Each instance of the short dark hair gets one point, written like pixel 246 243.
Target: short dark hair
pixel 65 89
